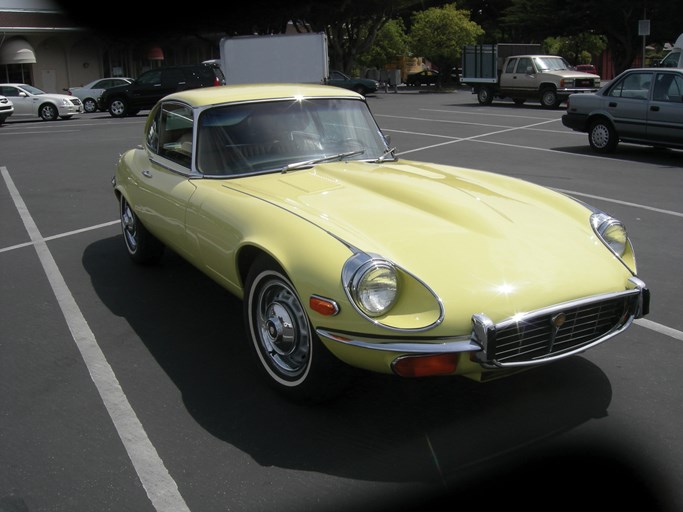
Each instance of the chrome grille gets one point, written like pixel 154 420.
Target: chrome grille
pixel 558 331
pixel 534 338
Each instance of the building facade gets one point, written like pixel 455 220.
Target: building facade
pixel 41 46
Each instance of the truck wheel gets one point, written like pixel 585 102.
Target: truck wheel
pixel 485 95
pixel 602 136
pixel 549 98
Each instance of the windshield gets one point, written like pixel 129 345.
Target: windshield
pixel 551 63
pixel 281 135
pixel 31 89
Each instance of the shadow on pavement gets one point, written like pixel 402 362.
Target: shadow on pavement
pixel 479 441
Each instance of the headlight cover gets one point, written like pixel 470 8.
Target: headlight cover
pixel 612 233
pixel 372 285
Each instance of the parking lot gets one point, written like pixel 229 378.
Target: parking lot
pixel 124 388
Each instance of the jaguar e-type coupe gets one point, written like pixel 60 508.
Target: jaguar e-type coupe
pixel 291 198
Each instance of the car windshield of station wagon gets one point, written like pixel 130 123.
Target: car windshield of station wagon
pixel 274 136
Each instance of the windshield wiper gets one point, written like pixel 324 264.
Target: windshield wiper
pixel 308 163
pixel 387 152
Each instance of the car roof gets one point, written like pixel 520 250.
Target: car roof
pixel 256 92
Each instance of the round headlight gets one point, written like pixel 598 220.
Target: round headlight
pixel 612 232
pixel 375 288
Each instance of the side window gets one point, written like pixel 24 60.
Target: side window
pixel 668 87
pixel 9 91
pixel 634 86
pixel 523 65
pixel 150 77
pixel 175 133
pixel 510 68
pixel 152 133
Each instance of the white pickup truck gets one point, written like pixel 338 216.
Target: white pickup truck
pixel 545 78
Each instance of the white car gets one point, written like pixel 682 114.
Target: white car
pixel 89 93
pixel 31 101
pixel 6 109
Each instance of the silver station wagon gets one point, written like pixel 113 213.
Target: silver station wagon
pixel 641 106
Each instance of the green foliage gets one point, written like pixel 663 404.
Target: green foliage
pixel 391 42
pixel 439 33
pixel 577 49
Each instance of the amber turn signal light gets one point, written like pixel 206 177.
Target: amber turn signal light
pixel 425 366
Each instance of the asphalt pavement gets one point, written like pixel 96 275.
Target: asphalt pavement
pixel 125 388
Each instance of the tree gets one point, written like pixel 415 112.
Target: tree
pixel 351 27
pixel 576 49
pixel 391 42
pixel 439 34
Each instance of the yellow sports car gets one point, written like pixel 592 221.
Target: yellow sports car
pixel 290 197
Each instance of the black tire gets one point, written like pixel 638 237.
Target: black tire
pixel 89 105
pixel 485 96
pixel 142 246
pixel 48 112
pixel 118 107
pixel 287 350
pixel 602 136
pixel 549 98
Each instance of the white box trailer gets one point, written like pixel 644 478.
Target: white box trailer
pixel 282 58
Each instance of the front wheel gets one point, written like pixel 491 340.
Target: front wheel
pixel 602 136
pixel 48 112
pixel 292 358
pixel 142 246
pixel 549 98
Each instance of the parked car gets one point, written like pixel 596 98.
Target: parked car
pixel 290 198
pixel 89 93
pixel 30 101
pixel 362 86
pixel 152 85
pixel 6 109
pixel 641 106
pixel 424 77
pixel 587 68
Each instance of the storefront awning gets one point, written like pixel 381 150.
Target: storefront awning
pixel 17 51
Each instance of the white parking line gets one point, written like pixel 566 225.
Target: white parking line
pixel 160 487
pixel 60 235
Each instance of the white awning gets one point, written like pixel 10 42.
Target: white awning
pixel 17 51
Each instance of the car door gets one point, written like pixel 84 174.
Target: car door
pixel 665 111
pixel 146 90
pixel 23 103
pixel 164 184
pixel 627 102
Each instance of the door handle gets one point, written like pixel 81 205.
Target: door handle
pixel 147 174
pixel 613 103
pixel 654 108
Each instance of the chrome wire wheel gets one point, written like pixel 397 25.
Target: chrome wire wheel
pixel 129 226
pixel 282 334
pixel 285 346
pixel 142 246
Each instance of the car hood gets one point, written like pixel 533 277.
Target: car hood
pixel 55 97
pixel 466 234
pixel 571 73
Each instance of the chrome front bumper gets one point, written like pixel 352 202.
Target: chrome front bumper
pixel 541 336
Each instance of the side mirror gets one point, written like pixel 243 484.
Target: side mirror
pixel 529 70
